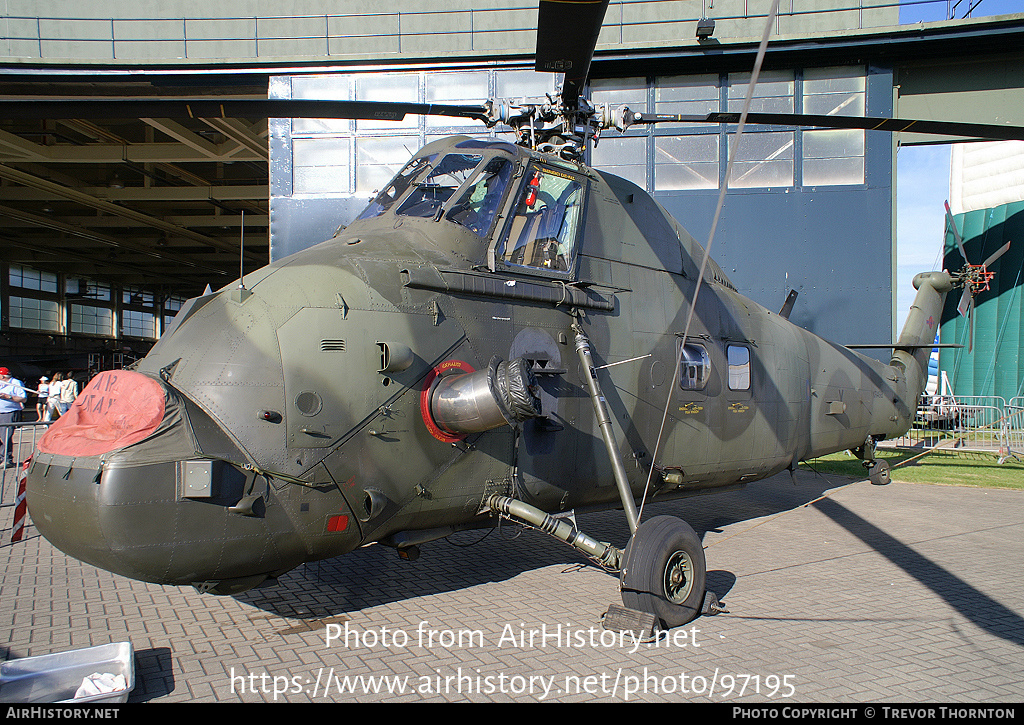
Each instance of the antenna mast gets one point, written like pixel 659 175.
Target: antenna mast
pixel 241 254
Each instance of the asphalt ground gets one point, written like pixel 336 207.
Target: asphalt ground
pixel 836 592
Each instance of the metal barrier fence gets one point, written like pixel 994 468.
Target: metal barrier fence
pixel 24 438
pixel 983 424
pixel 1014 434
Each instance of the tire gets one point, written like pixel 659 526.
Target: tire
pixel 878 474
pixel 664 571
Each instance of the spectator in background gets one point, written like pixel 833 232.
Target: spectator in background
pixel 43 390
pixel 12 402
pixel 53 399
pixel 68 392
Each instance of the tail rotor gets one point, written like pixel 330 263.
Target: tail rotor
pixel 974 278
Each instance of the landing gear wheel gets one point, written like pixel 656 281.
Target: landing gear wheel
pixel 878 473
pixel 664 571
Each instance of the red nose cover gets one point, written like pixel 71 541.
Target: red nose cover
pixel 116 409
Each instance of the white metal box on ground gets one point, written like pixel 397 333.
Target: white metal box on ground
pixel 57 677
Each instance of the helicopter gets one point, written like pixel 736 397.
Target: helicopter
pixel 503 333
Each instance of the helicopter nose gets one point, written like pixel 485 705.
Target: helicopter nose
pixel 108 485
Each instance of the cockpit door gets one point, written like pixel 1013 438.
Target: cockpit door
pixel 546 220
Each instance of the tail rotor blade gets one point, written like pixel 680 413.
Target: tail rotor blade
pixel 999 253
pixel 966 300
pixel 970 318
pixel 956 233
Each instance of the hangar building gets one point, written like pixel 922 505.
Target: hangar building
pixel 110 225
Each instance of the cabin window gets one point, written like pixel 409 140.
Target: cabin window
pixel 694 367
pixel 398 186
pixel 545 223
pixel 739 367
pixel 430 193
pixel 479 203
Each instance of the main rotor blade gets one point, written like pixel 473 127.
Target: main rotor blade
pixel 567 33
pixel 987 131
pixel 98 108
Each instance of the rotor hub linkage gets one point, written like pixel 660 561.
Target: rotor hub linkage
pixel 553 127
pixel 976 277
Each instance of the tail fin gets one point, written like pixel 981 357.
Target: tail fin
pixel 916 340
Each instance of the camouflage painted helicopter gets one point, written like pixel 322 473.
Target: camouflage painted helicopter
pixel 503 332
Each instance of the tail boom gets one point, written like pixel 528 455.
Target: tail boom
pixel 913 348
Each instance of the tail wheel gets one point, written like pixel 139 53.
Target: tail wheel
pixel 878 473
pixel 664 571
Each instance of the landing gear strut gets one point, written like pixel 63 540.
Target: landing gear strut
pixel 664 571
pixel 877 470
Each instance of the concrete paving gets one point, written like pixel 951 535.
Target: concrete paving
pixel 837 592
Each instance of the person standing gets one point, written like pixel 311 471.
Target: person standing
pixel 43 391
pixel 68 392
pixel 12 402
pixel 53 399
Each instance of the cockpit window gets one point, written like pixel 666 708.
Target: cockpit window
pixel 431 192
pixel 398 186
pixel 478 204
pixel 544 227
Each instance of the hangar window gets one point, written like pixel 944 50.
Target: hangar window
pixel 34 303
pixel 686 155
pixel 320 163
pixel 91 311
pixel 690 95
pixel 774 92
pixel 138 313
pixel 91 320
pixel 686 161
pixel 763 160
pixel 33 279
pixel 456 89
pixel 833 157
pixel 623 155
pixel 136 323
pixel 87 291
pixel 172 305
pixel 376 160
pixel 34 314
pixel 694 367
pixel 692 156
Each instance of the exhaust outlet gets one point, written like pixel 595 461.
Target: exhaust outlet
pixel 506 393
